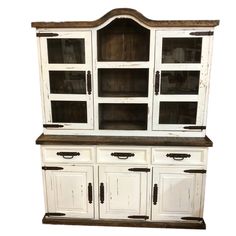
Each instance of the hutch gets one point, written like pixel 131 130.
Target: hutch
pixel 124 102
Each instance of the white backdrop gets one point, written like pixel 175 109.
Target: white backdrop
pixel 21 197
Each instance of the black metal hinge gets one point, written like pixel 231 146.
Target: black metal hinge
pixel 52 168
pixel 192 218
pixel 139 169
pixel 55 214
pixel 46 34
pixel 202 33
pixel 139 217
pixel 52 126
pixel 196 171
pixel 195 127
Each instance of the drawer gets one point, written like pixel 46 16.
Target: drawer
pixel 68 154
pixel 124 154
pixel 179 155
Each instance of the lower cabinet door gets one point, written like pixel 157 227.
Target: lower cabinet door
pixel 70 191
pixel 176 193
pixel 123 192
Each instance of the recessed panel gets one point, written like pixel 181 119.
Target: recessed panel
pixel 178 113
pixel 69 111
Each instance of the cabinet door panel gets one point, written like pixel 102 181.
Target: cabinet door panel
pixel 125 192
pixel 67 80
pixel 179 194
pixel 67 191
pixel 181 65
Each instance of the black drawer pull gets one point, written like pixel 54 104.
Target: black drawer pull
pixel 155 194
pixel 101 193
pixel 90 193
pixel 122 155
pixel 68 155
pixel 178 156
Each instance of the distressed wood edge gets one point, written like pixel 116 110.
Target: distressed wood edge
pixel 123 223
pixel 118 140
pixel 129 12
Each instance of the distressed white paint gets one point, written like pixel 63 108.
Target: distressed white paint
pixel 87 154
pixel 179 193
pixel 67 191
pixel 203 67
pixel 198 156
pixel 141 154
pixel 125 192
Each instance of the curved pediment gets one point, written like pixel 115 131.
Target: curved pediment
pixel 126 12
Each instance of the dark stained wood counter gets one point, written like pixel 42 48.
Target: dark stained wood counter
pixel 129 12
pixel 120 140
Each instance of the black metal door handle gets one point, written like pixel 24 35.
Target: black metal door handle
pixel 122 155
pixel 90 193
pixel 178 156
pixel 89 83
pixel 157 82
pixel 101 193
pixel 68 155
pixel 155 194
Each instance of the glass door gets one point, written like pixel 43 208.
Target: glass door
pixel 67 83
pixel 180 80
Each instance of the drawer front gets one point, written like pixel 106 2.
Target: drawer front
pixel 125 155
pixel 68 154
pixel 179 156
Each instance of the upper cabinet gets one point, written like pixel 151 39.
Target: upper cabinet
pixel 125 74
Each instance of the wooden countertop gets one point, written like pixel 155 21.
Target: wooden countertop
pixel 120 140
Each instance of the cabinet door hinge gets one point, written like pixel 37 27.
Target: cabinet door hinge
pixel 55 214
pixel 192 218
pixel 46 34
pixel 52 168
pixel 195 127
pixel 196 171
pixel 202 33
pixel 139 217
pixel 52 126
pixel 139 169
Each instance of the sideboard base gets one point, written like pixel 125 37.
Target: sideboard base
pixel 124 223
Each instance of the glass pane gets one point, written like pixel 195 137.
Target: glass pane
pixel 67 82
pixel 179 82
pixel 71 51
pixel 69 111
pixel 123 116
pixel 181 50
pixel 123 40
pixel 178 112
pixel 123 82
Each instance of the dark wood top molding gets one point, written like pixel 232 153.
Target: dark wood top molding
pixel 120 140
pixel 128 12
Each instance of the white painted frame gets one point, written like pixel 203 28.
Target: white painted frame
pixel 203 67
pixel 46 67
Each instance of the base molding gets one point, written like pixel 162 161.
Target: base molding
pixel 123 223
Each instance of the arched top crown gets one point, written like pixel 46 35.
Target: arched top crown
pixel 126 12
